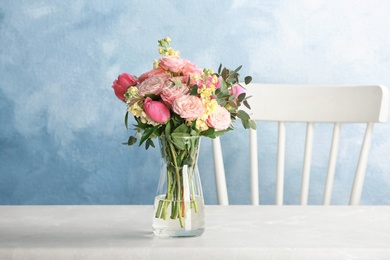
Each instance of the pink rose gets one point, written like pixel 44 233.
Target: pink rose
pixel 156 110
pixel 169 93
pixel 172 63
pixel 153 72
pixel 121 85
pixel 188 107
pixel 220 120
pixel 236 91
pixel 152 85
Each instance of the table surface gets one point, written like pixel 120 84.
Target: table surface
pixel 232 232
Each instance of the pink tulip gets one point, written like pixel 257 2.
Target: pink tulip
pixel 156 110
pixel 236 91
pixel 121 85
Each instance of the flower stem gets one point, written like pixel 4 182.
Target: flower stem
pixel 178 183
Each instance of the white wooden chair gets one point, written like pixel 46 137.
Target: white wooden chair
pixel 309 104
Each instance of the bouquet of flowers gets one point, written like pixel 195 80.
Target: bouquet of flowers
pixel 176 99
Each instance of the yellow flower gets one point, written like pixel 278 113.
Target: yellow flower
pixel 135 109
pixel 133 91
pixel 211 106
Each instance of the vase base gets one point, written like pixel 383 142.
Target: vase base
pixel 178 233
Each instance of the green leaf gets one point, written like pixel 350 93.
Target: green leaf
pixel 249 124
pixel 236 70
pixel 233 104
pixel 246 104
pixel 245 123
pixel 247 80
pixel 219 68
pixel 181 129
pixel 126 119
pixel 147 133
pixel 132 140
pixel 178 139
pixel 225 73
pixel 194 90
pixel 168 127
pixel 243 115
pixel 209 133
pixel 252 124
pixel 177 83
pixel 241 97
pixel 149 143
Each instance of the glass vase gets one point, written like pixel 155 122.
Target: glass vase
pixel 179 204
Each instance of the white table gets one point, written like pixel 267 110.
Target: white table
pixel 232 232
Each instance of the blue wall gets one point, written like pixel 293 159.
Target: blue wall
pixel 61 126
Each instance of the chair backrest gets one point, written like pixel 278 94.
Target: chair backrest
pixel 309 104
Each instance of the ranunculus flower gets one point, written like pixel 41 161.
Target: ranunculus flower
pixel 172 63
pixel 153 72
pixel 169 93
pixel 156 110
pixel 237 90
pixel 190 68
pixel 220 120
pixel 188 107
pixel 152 85
pixel 192 72
pixel 121 85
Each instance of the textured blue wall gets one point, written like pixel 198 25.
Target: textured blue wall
pixel 61 126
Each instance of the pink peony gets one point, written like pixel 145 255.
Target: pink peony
pixel 172 63
pixel 152 85
pixel 156 110
pixel 121 85
pixel 153 72
pixel 188 107
pixel 169 93
pixel 220 120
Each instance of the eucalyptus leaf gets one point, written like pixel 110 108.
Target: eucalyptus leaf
pixel 194 90
pixel 224 73
pixel 243 115
pixel 245 123
pixel 252 124
pixel 236 70
pixel 247 80
pixel 246 104
pixel 233 104
pixel 241 97
pixel 132 140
